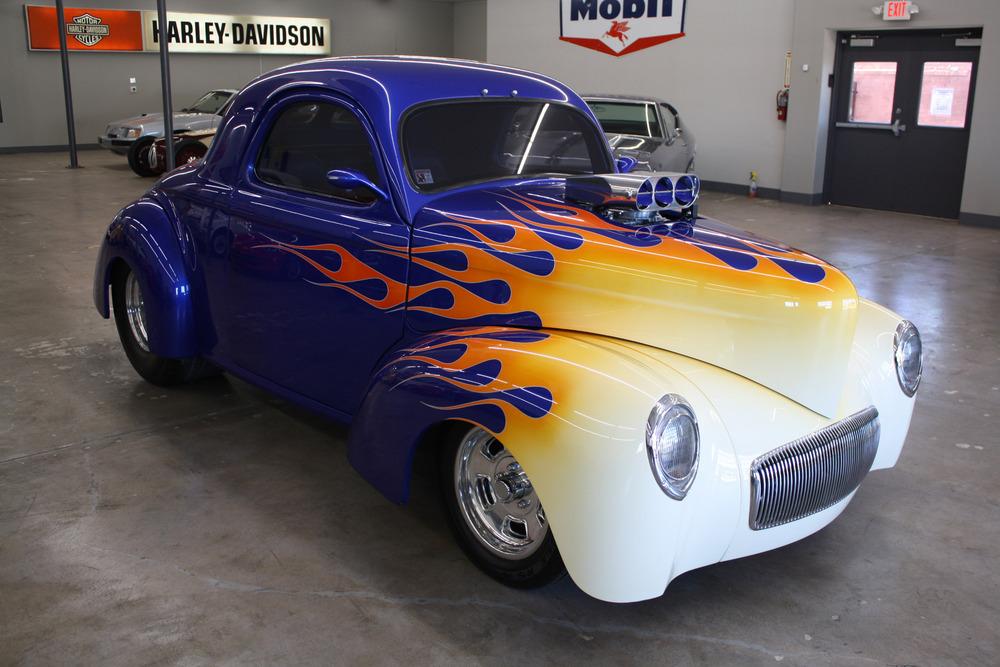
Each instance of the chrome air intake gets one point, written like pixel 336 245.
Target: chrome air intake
pixel 636 199
pixel 814 472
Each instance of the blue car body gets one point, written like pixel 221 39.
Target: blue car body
pixel 220 253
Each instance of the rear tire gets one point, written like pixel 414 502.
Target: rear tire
pixel 189 151
pixel 130 320
pixel 494 512
pixel 138 157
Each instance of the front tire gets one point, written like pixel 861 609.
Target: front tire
pixel 130 320
pixel 494 511
pixel 138 157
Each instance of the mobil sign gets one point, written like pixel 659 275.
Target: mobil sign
pixel 618 27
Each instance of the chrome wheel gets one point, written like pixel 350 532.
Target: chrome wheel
pixel 497 500
pixel 135 309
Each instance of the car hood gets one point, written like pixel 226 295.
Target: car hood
pixel 524 256
pixel 181 118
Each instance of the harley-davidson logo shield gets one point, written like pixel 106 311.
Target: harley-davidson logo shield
pixel 617 27
pixel 87 29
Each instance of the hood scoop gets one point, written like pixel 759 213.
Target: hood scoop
pixel 637 200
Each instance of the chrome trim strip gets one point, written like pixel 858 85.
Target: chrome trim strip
pixel 814 472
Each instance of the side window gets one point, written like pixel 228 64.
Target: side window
pixel 309 139
pixel 669 120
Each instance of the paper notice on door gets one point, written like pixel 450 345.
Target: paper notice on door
pixel 941 101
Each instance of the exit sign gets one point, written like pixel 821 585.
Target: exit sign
pixel 896 10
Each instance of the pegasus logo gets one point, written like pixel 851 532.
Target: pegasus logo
pixel 620 27
pixel 617 31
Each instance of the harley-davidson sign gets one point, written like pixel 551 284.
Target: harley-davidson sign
pixel 96 30
pixel 617 27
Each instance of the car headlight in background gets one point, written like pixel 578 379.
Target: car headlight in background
pixel 908 353
pixel 672 445
pixel 133 132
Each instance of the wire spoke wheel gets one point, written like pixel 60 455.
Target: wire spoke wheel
pixel 496 498
pixel 135 309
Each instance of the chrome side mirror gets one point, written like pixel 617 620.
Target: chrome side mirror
pixel 349 179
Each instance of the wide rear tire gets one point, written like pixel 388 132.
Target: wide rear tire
pixel 130 320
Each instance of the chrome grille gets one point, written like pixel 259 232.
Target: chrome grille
pixel 814 472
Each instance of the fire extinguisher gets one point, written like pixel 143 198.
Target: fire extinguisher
pixel 782 103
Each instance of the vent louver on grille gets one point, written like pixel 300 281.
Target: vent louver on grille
pixel 814 472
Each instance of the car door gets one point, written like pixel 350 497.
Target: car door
pixel 673 152
pixel 318 272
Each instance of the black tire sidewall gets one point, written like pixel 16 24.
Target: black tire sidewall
pixel 137 157
pixel 185 146
pixel 150 366
pixel 540 568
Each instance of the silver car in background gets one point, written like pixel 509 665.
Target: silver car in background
pixel 646 129
pixel 134 136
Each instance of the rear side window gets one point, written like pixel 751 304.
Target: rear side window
pixel 307 140
pixel 669 119
pixel 635 118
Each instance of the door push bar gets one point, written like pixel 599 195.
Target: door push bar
pixel 896 128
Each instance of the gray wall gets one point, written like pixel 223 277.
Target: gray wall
pixel 470 30
pixel 722 77
pixel 31 87
pixel 724 74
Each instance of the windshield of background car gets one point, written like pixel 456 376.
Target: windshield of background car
pixel 210 103
pixel 463 142
pixel 636 118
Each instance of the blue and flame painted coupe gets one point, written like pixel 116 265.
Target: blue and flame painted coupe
pixel 446 255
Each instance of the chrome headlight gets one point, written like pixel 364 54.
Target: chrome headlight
pixel 672 445
pixel 132 132
pixel 908 353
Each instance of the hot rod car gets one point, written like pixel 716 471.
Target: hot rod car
pixel 188 147
pixel 445 254
pixel 134 136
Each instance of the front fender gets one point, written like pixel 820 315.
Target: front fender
pixel 572 408
pixel 144 237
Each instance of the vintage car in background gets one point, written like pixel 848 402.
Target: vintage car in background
pixel 188 147
pixel 133 136
pixel 645 129
pixel 444 255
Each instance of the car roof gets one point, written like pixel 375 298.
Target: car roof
pixel 385 87
pixel 609 97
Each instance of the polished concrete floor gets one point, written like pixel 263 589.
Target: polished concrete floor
pixel 214 524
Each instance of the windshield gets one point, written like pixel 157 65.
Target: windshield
pixel 210 103
pixel 638 118
pixel 462 142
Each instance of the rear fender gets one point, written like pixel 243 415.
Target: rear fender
pixel 572 408
pixel 144 236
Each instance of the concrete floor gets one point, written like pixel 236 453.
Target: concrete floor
pixel 215 524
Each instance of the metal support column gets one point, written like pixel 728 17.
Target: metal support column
pixel 168 110
pixel 74 163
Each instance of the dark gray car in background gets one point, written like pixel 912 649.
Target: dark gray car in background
pixel 647 129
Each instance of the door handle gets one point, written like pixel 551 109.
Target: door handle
pixel 896 128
